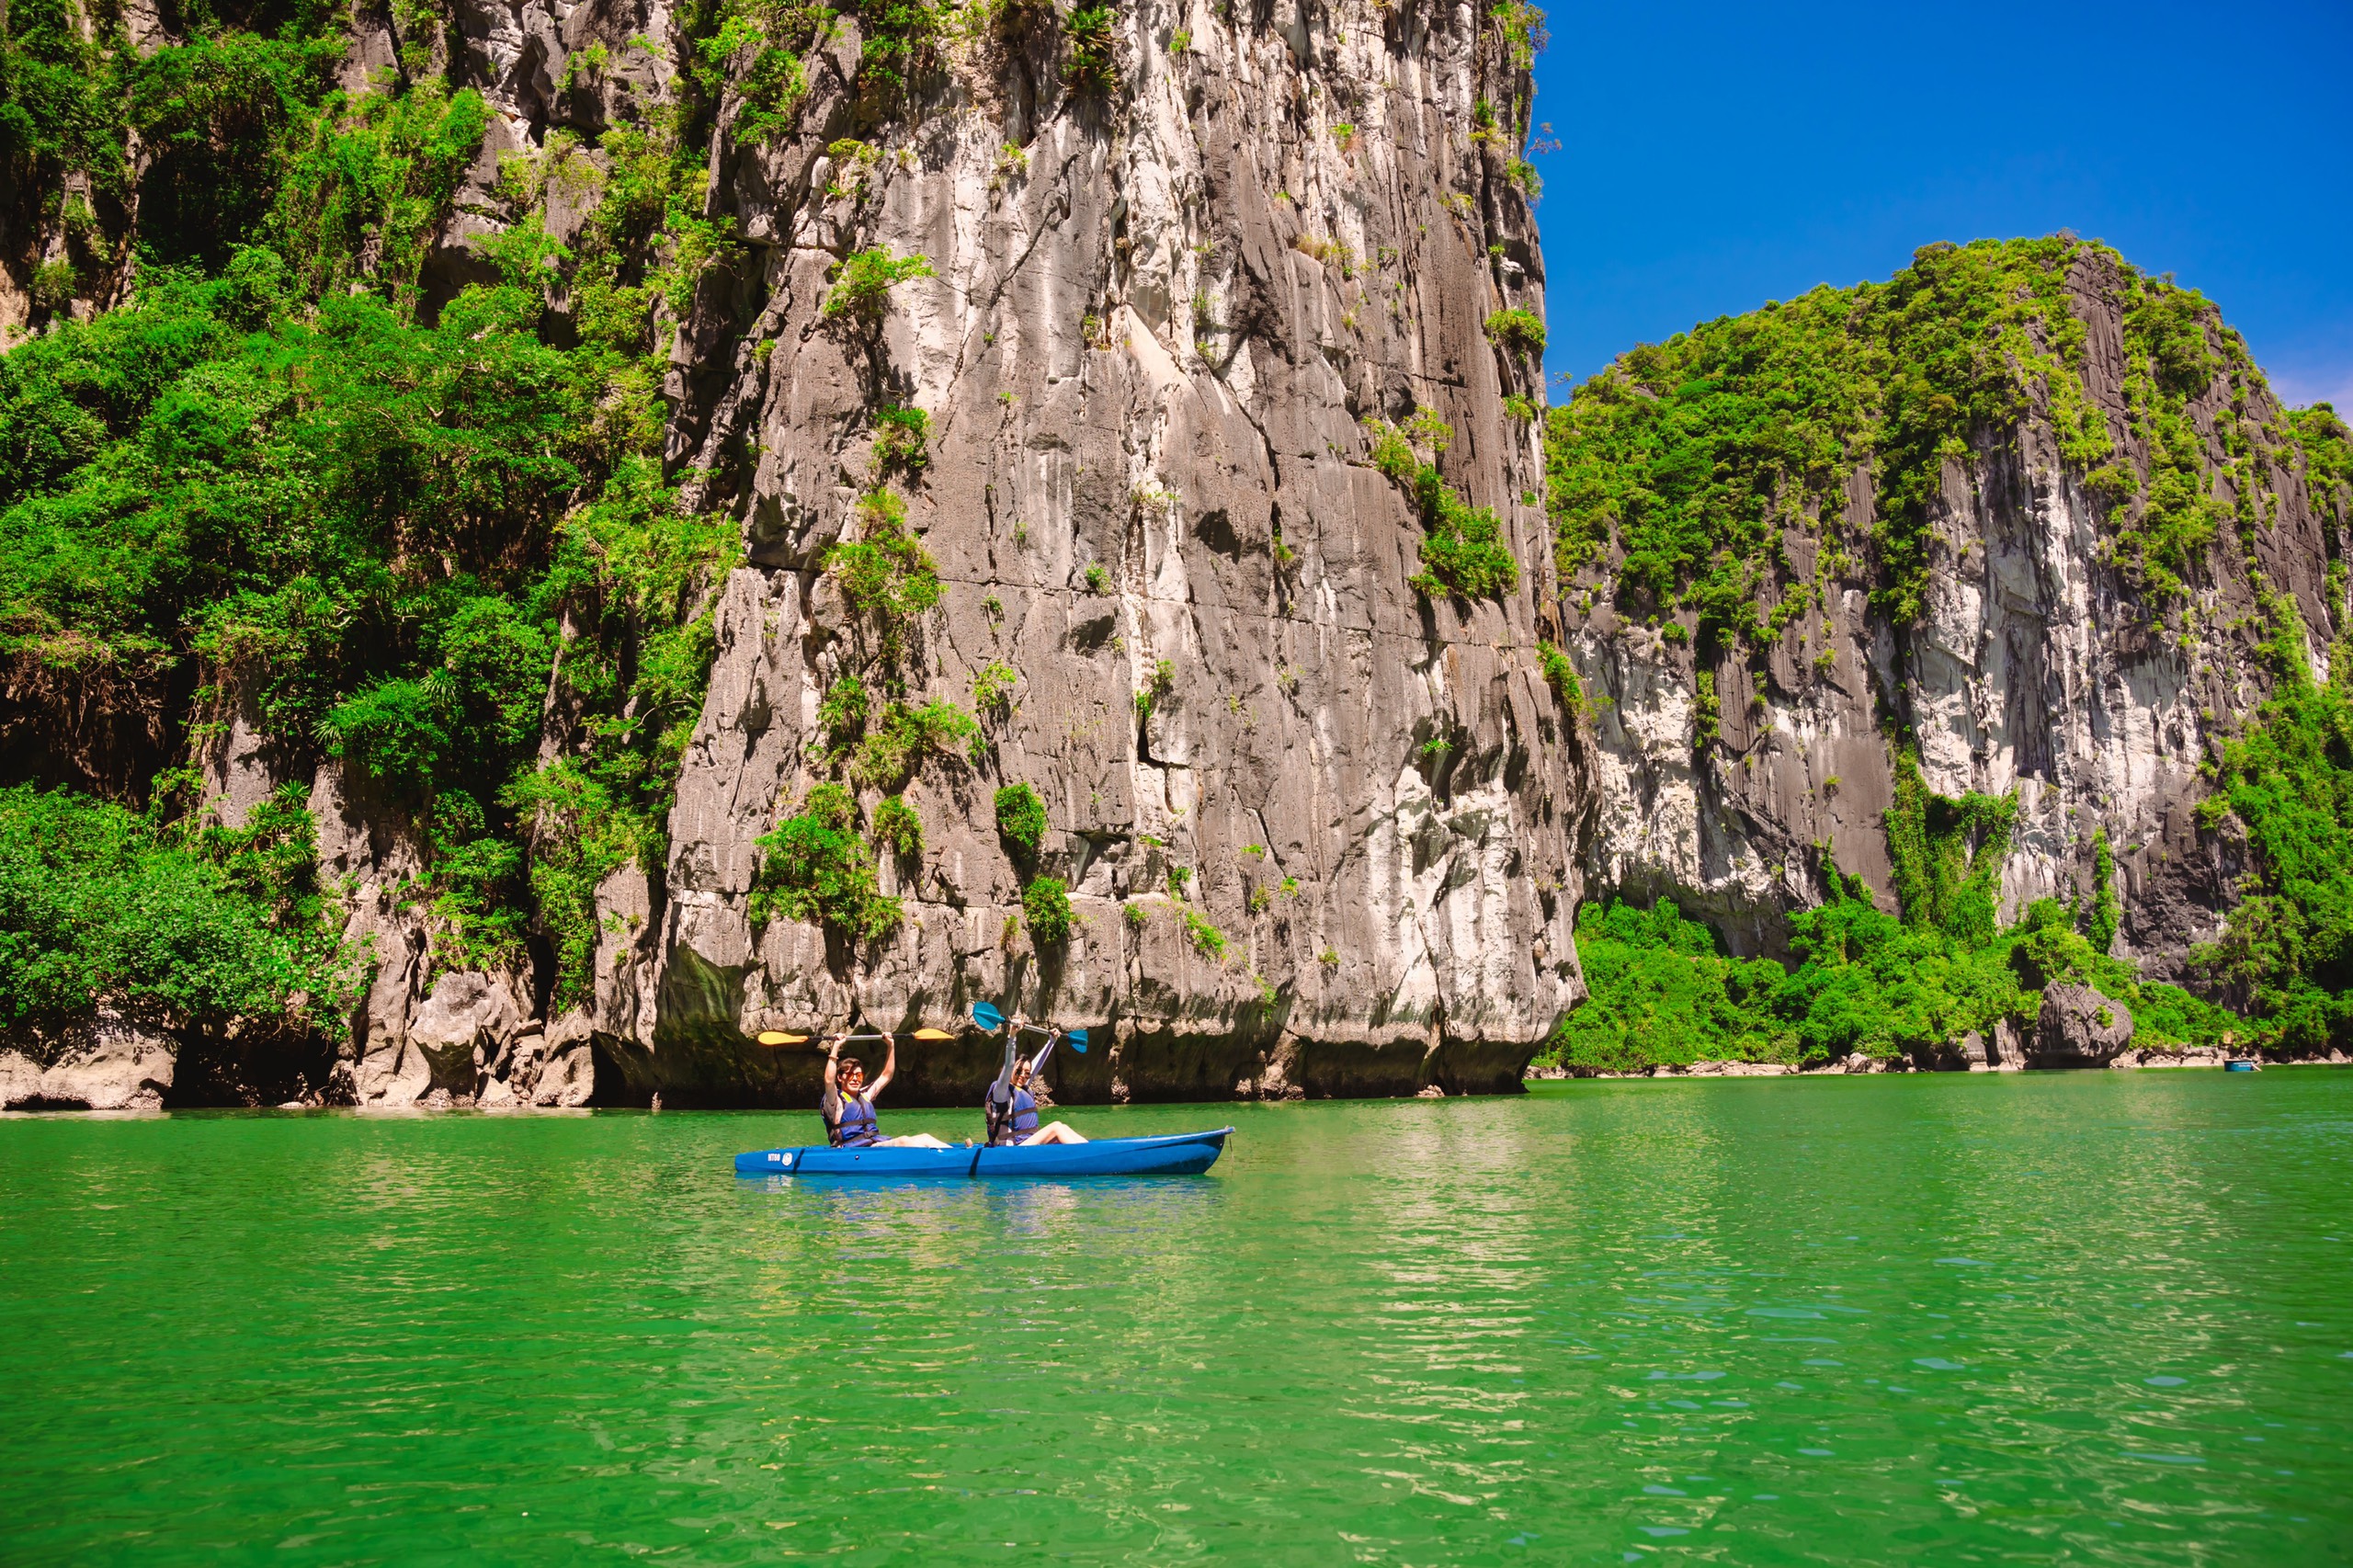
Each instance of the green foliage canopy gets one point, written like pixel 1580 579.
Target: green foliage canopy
pixel 1045 902
pixel 863 280
pixel 191 929
pixel 2287 951
pixel 1517 331
pixel 1687 459
pixel 1465 552
pixel 1093 62
pixel 396 537
pixel 1664 992
pixel 1021 817
pixel 815 867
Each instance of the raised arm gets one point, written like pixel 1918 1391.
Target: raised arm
pixel 890 1066
pixel 1012 1055
pixel 833 1063
pixel 996 1100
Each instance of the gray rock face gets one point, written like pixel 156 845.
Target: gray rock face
pixel 414 1033
pixel 468 1027
pixel 560 1068
pixel 2079 1028
pixel 2036 669
pixel 105 1063
pixel 1159 330
pixel 233 761
pixel 2188 1056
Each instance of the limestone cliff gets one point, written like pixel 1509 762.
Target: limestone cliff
pixel 1152 281
pixel 2056 653
pixel 1159 322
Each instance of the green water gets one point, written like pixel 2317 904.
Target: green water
pixel 2096 1317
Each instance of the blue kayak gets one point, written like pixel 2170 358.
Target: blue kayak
pixel 1181 1153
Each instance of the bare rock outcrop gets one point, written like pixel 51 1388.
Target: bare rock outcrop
pixel 468 1027
pixel 2079 1028
pixel 106 1062
pixel 1997 1051
pixel 418 1030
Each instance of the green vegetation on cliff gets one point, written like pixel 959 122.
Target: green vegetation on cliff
pixel 180 926
pixel 1947 853
pixel 432 540
pixel 1680 467
pixel 1465 554
pixel 1664 991
pixel 1860 980
pixel 1680 481
pixel 1680 472
pixel 814 866
pixel 2286 784
pixel 385 539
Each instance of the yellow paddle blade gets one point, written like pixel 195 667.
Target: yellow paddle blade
pixel 777 1037
pixel 933 1034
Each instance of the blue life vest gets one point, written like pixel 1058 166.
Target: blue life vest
pixel 857 1128
pixel 1019 1124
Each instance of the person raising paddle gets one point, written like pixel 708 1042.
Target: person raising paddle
pixel 848 1103
pixel 1011 1108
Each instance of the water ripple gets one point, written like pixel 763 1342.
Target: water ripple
pixel 2082 1318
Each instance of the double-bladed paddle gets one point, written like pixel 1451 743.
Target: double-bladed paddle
pixel 985 1016
pixel 779 1037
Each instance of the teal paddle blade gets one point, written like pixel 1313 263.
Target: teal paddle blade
pixel 1078 1039
pixel 986 1016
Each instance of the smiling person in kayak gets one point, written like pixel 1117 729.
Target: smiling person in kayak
pixel 848 1103
pixel 1012 1108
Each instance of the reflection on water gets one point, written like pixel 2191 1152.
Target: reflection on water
pixel 2093 1318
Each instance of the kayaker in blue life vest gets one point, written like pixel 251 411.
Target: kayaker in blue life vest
pixel 1011 1107
pixel 848 1103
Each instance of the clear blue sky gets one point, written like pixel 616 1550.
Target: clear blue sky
pixel 1715 156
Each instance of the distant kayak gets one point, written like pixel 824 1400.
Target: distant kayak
pixel 2238 1067
pixel 1180 1154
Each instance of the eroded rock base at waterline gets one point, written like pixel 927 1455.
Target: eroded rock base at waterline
pixel 1127 1064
